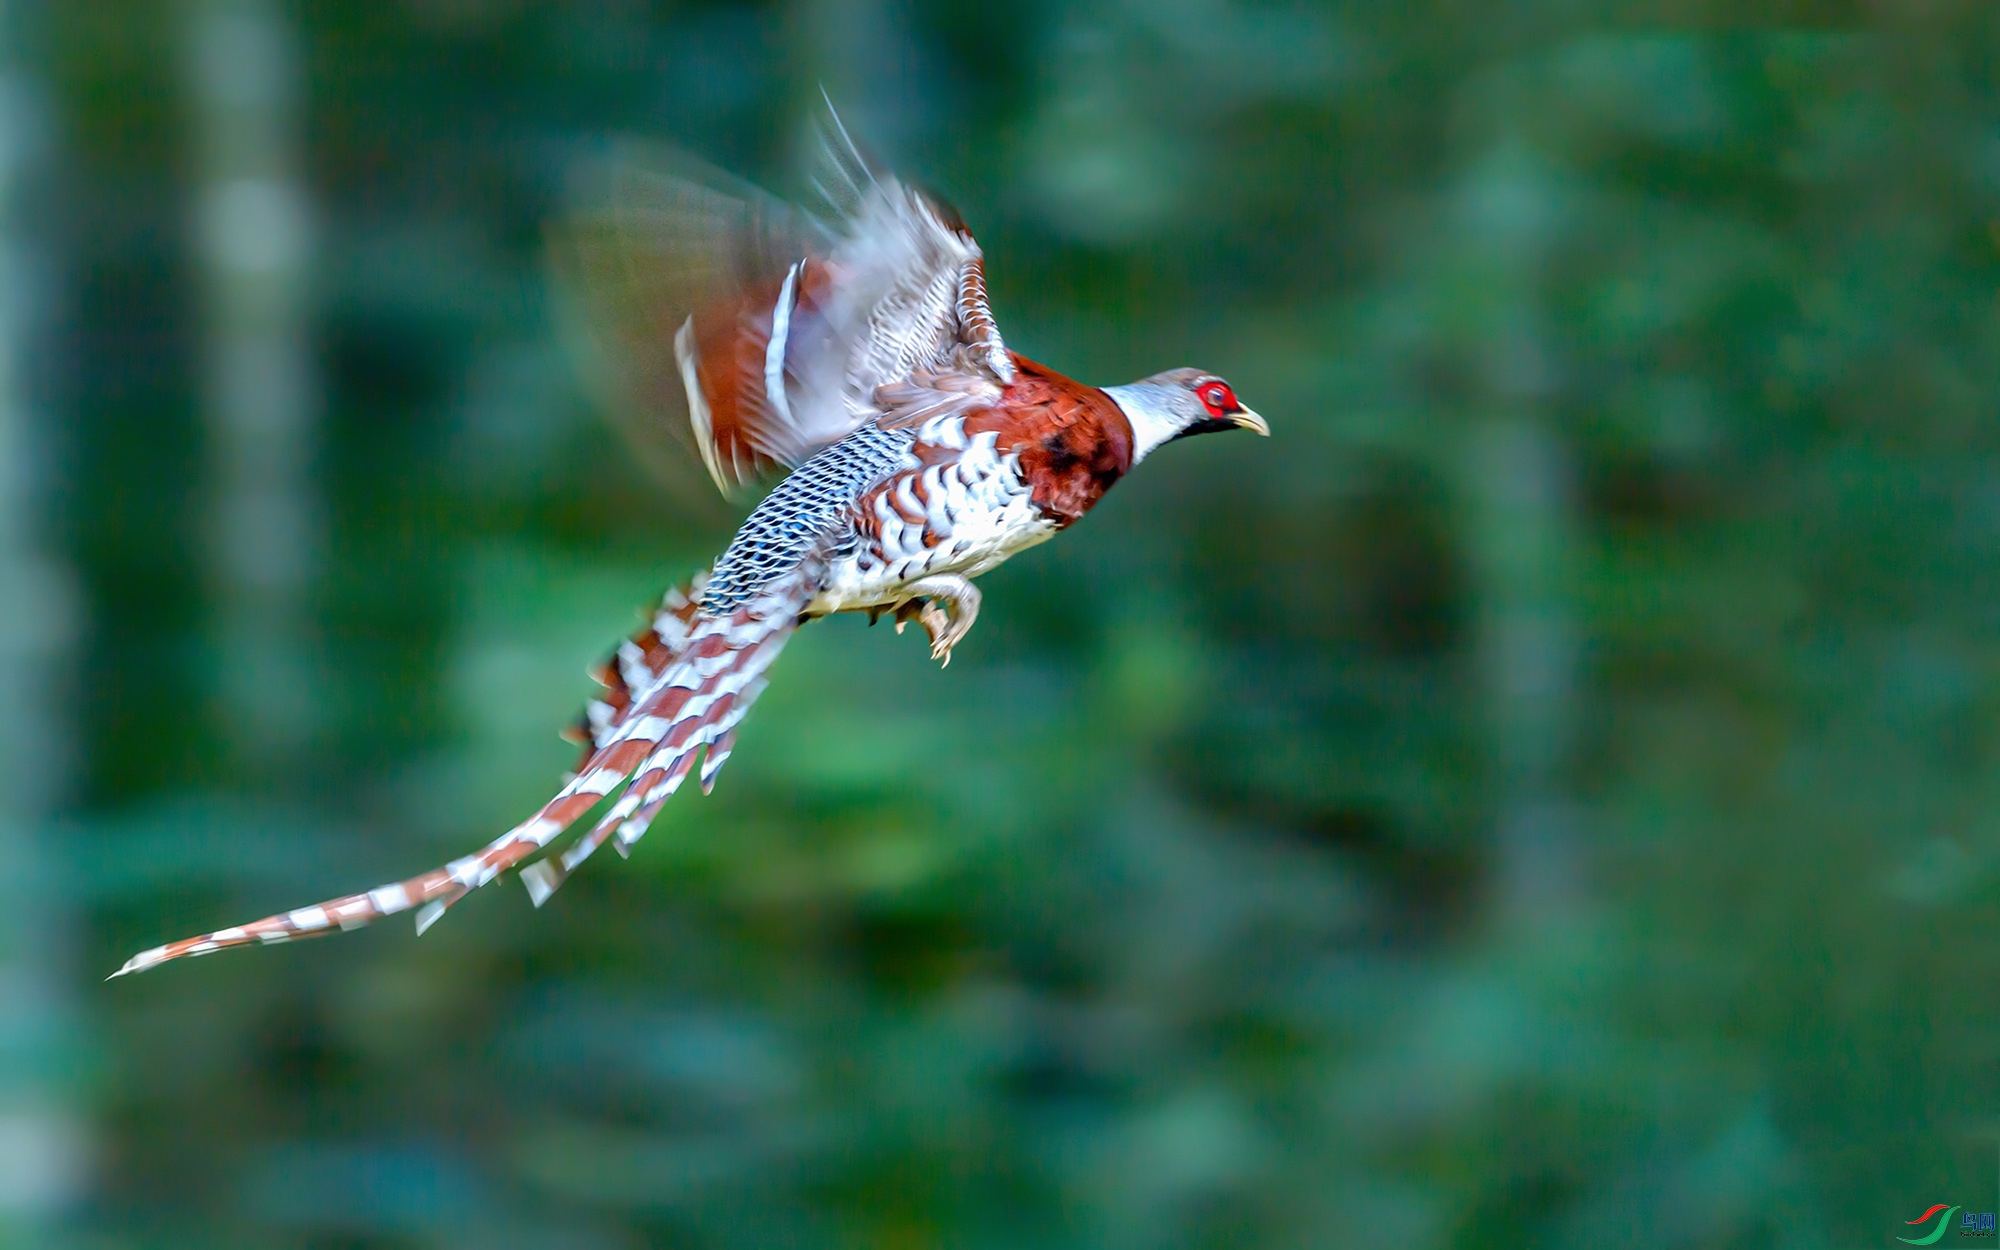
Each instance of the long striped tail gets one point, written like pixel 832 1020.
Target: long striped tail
pixel 705 673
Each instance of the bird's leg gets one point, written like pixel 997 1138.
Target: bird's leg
pixel 945 606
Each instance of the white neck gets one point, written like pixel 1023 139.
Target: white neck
pixel 1145 405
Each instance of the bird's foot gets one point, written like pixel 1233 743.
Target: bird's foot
pixel 945 606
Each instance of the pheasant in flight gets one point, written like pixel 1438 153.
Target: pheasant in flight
pixel 861 355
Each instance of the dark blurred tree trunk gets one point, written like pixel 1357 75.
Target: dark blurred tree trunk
pixel 41 1132
pixel 253 231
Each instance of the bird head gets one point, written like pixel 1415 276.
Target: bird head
pixel 1179 403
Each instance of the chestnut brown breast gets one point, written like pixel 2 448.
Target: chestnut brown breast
pixel 1073 440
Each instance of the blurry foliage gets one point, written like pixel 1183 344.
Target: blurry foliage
pixel 1170 915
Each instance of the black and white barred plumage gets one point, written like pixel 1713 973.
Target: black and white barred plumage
pixel 805 515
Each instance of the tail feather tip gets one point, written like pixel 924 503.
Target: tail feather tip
pixel 140 962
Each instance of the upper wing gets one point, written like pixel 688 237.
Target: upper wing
pixel 654 236
pixel 760 330
pixel 911 290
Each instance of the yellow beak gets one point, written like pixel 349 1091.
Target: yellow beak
pixel 1250 421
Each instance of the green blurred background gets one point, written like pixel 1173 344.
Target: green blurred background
pixel 1547 795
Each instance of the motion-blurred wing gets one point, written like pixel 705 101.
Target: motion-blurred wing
pixel 658 237
pixel 760 331
pixel 911 294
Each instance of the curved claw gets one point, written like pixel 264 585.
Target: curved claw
pixel 946 606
